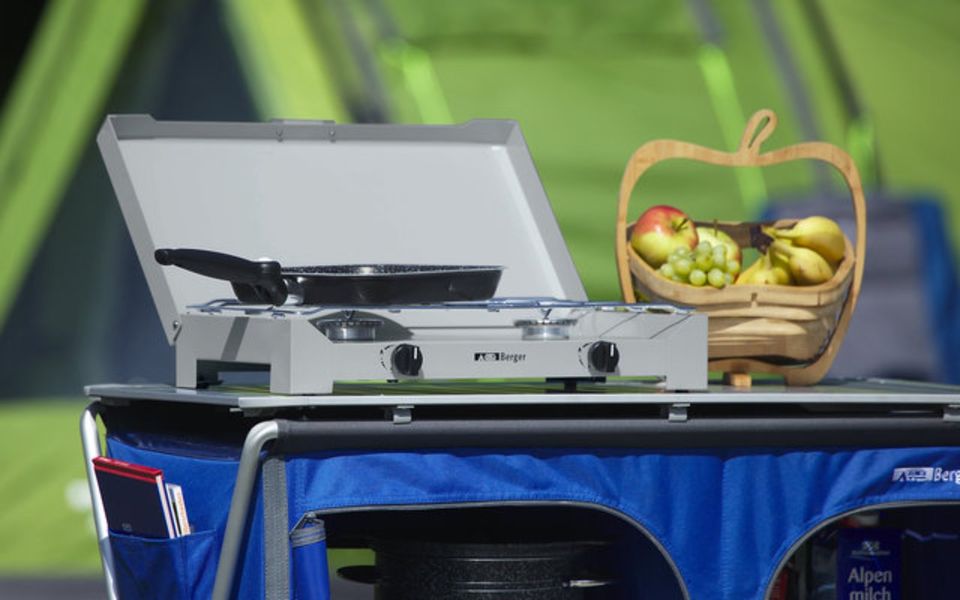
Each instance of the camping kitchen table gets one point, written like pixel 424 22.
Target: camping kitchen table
pixel 726 484
pixel 722 484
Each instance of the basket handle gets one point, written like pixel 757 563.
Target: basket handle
pixel 759 128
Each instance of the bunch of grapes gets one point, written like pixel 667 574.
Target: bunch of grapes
pixel 706 264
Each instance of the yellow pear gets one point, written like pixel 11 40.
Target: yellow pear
pixel 820 234
pixel 806 266
pixel 765 271
pixel 780 268
pixel 746 277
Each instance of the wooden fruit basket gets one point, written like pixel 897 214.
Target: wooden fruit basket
pixel 793 331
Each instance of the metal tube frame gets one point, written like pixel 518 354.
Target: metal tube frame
pixel 90 437
pixel 247 472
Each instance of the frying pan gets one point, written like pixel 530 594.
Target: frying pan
pixel 267 282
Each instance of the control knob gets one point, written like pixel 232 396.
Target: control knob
pixel 407 360
pixel 604 356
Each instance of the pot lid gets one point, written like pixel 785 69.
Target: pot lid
pixel 316 192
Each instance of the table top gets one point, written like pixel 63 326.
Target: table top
pixel 849 391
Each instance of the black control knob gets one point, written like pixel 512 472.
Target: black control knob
pixel 407 360
pixel 604 356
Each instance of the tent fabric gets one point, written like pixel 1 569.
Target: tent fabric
pixel 726 517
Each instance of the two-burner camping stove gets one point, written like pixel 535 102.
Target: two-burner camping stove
pixel 316 192
pixel 307 349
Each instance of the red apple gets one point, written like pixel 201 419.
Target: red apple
pixel 660 230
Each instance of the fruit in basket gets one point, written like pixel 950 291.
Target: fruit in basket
pixel 697 277
pixel 707 264
pixel 659 231
pixel 718 238
pixel 806 266
pixel 716 278
pixel 781 269
pixel 820 234
pixel 767 270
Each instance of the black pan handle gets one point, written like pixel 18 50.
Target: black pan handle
pixel 265 275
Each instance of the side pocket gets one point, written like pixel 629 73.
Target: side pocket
pixel 177 569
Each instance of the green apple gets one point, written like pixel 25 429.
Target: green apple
pixel 717 237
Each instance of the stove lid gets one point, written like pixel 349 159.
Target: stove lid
pixel 316 192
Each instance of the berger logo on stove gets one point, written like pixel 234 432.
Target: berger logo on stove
pixel 498 357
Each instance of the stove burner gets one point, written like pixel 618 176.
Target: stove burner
pixel 349 330
pixel 546 329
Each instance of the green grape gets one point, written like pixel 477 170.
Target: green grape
pixel 704 261
pixel 719 254
pixel 715 278
pixel 727 278
pixel 704 246
pixel 697 277
pixel 666 269
pixel 733 266
pixel 683 266
pixel 677 278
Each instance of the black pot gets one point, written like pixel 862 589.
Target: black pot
pixel 414 570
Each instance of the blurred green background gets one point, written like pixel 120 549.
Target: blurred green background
pixel 588 81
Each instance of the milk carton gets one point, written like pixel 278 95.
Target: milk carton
pixel 868 564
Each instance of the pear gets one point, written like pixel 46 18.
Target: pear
pixel 820 234
pixel 765 271
pixel 806 266
pixel 780 267
pixel 767 276
pixel 747 275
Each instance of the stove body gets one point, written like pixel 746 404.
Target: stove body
pixel 307 349
pixel 319 192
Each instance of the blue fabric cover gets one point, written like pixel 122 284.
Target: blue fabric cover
pixel 310 570
pixel 207 486
pixel 726 517
pixel 164 569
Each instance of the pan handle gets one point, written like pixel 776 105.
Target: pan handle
pixel 265 275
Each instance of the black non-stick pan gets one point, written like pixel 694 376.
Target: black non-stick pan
pixel 266 282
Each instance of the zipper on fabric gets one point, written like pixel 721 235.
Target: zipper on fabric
pixel 320 513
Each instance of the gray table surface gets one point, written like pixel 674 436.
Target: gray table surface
pixel 860 391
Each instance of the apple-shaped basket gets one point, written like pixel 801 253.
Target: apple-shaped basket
pixel 793 331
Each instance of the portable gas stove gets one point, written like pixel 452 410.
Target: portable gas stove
pixel 317 192
pixel 307 349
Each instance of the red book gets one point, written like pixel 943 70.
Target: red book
pixel 134 498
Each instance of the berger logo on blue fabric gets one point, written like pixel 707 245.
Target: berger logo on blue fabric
pixel 926 475
pixel 913 474
pixel 498 357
